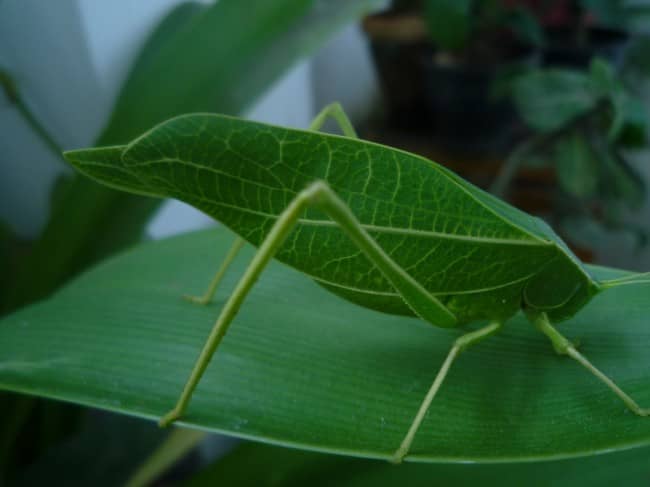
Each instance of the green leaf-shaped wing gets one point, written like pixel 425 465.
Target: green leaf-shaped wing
pixel 450 236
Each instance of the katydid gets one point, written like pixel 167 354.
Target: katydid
pixel 380 227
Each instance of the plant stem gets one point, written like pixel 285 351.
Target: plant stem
pixel 12 93
pixel 512 164
pixel 536 142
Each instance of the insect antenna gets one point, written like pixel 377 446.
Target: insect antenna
pixel 640 278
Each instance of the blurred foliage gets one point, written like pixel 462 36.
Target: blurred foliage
pixel 215 57
pixel 585 123
pixel 199 59
pixel 460 24
pixel 630 15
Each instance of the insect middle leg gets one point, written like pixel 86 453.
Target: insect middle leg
pixel 565 347
pixel 461 343
pixel 334 111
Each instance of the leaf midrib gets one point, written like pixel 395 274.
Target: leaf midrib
pixel 378 228
pixel 325 136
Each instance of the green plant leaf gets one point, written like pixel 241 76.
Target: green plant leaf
pixel 622 181
pixel 222 58
pixel 449 22
pixel 630 124
pixel 631 15
pixel 603 77
pixel 548 99
pixel 302 367
pixel 526 26
pixel 217 58
pixel 576 165
pixel 259 465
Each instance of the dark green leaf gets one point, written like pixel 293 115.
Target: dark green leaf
pixel 636 66
pixel 258 465
pixel 628 15
pixel 630 124
pixel 526 26
pixel 548 100
pixel 603 77
pixel 622 181
pixel 576 165
pixel 302 367
pixel 449 22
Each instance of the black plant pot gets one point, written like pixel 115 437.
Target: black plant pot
pixel 397 43
pixel 464 111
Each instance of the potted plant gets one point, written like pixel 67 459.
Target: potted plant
pixel 476 44
pixel 440 61
pixel 575 31
pixel 398 37
pixel 585 126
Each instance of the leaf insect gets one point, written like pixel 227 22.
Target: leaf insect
pixel 380 227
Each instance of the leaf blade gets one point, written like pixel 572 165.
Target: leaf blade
pixel 300 367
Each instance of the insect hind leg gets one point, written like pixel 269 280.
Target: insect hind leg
pixel 319 195
pixel 564 347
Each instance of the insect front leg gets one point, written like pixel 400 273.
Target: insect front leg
pixel 318 194
pixel 565 347
pixel 461 343
pixel 334 110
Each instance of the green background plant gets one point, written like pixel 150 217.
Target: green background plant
pixel 198 58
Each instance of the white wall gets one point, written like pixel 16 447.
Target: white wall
pixel 43 45
pixel 69 58
pixel 288 102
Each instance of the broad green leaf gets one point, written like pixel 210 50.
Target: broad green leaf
pixel 576 165
pixel 623 182
pixel 436 226
pixel 548 99
pixel 302 367
pixel 222 58
pixel 216 58
pixel 630 124
pixel 636 63
pixel 629 121
pixel 449 22
pixel 628 15
pixel 603 77
pixel 526 26
pixel 259 465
